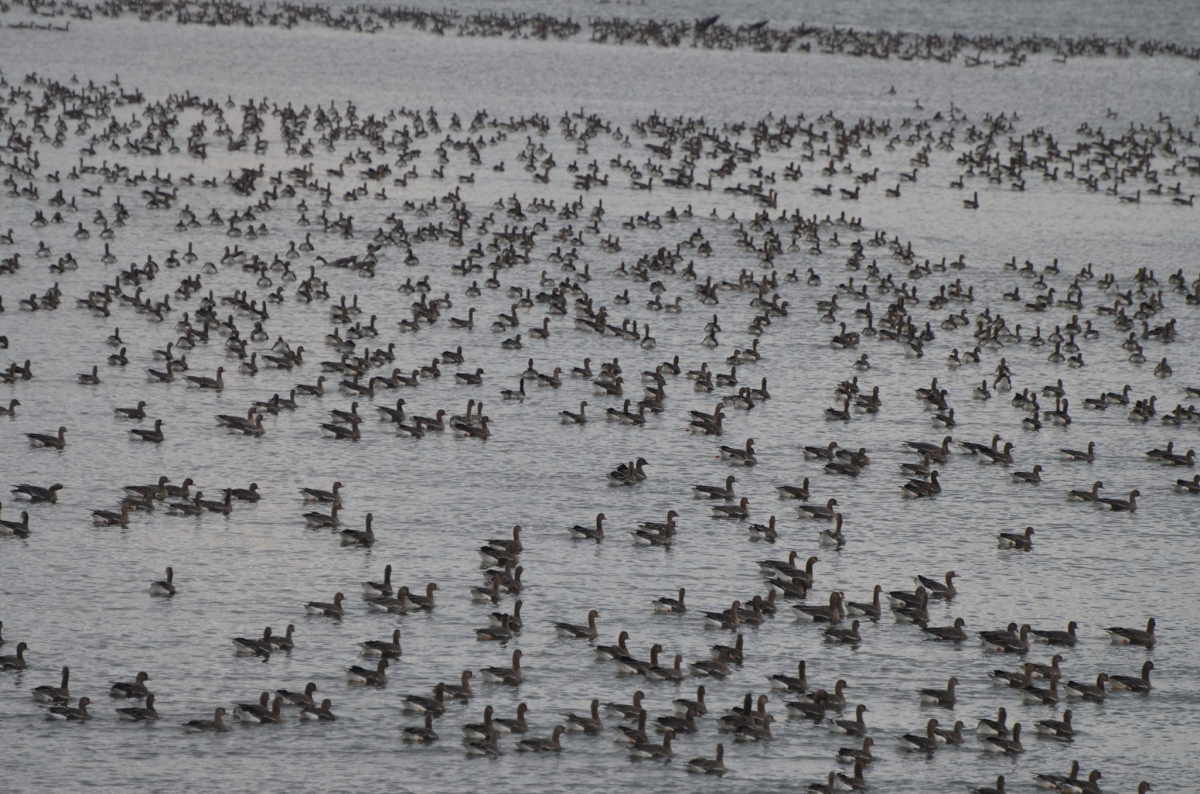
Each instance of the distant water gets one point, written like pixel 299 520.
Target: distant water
pixel 78 594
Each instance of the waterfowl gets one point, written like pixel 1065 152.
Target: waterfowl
pixel 135 689
pixel 869 609
pixel 1055 637
pixel 1057 729
pixel 303 699
pixel 107 518
pixel 505 675
pixel 848 636
pixel 1093 692
pixel 672 605
pixel 591 724
pixel 1010 745
pixel 516 724
pixel 1092 495
pixel 322 713
pixel 953 633
pixel 1133 683
pixel 77 713
pixel 35 494
pixel 146 713
pixel 363 537
pixel 572 631
pixel 332 610
pixel 364 676
pixel 215 725
pixel 941 697
pixel 1077 455
pixel 154 436
pixel 1020 542
pixel 1123 505
pixel 48 693
pixel 926 743
pixel 542 745
pixel 58 441
pixel 589 533
pixel 708 766
pixel 318 495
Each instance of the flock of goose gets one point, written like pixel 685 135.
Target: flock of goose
pixel 86 161
pixel 712 33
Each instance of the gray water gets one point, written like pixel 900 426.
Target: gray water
pixel 77 594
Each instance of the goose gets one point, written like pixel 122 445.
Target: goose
pixel 655 672
pixel 953 633
pixel 253 712
pixel 997 789
pixel 586 724
pixel 431 706
pixel 649 750
pixel 1007 745
pixel 542 745
pixel 376 589
pixel 1092 495
pixel 1077 455
pixel 191 508
pixel 107 518
pixel 366 677
pixel 332 610
pixel 250 494
pixel 920 489
pixel 1124 636
pixel 383 648
pixel 215 725
pixel 322 713
pixel 1032 477
pixel 58 441
pixel 821 614
pixel 572 631
pixel 1054 637
pixel 363 537
pixel 303 699
pixel 505 675
pixel 1123 505
pixel 937 589
pixel 833 537
pixel 628 711
pixel 145 713
pixel 671 605
pixel 135 689
pixel 848 636
pixel 48 693
pixel 569 418
pixel 1068 782
pixel 855 727
pixel 589 533
pixel 869 609
pixel 154 436
pixel 1133 683
pixel 825 511
pixel 255 646
pixel 201 382
pixel 789 683
pixel 739 511
pixel 316 520
pixel 857 754
pixel 77 713
pixel 926 743
pixel 1092 692
pixel 716 668
pixel 765 532
pixel 16 662
pixel 1020 542
pixel 940 697
pixel 1057 729
pixel 708 766
pixel 424 734
pixel 36 494
pixel 740 457
pixel 716 491
pixel 318 495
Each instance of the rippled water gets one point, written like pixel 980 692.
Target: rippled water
pixel 78 594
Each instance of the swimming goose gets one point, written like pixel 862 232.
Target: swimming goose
pixel 740 457
pixel 154 436
pixel 322 713
pixel 16 662
pixel 724 620
pixel 505 675
pixel 586 724
pixel 107 518
pixel 515 624
pixel 332 610
pixel 920 489
pixel 383 648
pixel 1057 729
pixel 1124 636
pixel 821 614
pixel 1020 542
pixel 941 697
pixel 996 727
pixel 937 589
pixel 650 750
pixel 145 713
pixel 42 440
pixel 572 631
pixel 739 511
pixel 363 537
pixel 35 494
pixel 833 537
pixel 997 789
pixel 366 677
pixel 1055 637
pixel 953 633
pixel 1123 505
pixel 871 609
pixel 163 587
pixel 1093 692
pixel 856 754
pixel 854 727
pixel 1007 745
pixel 317 520
pixel 672 605
pixel 318 495
pixel 1132 683
pixel 1069 782
pixel 716 668
pixel 848 636
pixel 824 511
pixel 303 699
pixel 255 646
pixel 424 734
pixel 253 712
pixel 135 689
pixel 215 725
pixel 655 672
pixel 1077 455
pixel 48 693
pixel 628 711
pixel 419 704
pixel 794 491
pixel 77 713
pixel 192 508
pixel 11 410
pixel 715 491
pixel 569 418
pixel 201 382
pixel 376 589
pixel 708 766
pixel 1033 477
pixel 542 745
pixel 926 743
pixel 830 786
